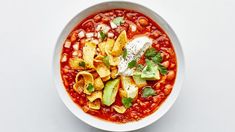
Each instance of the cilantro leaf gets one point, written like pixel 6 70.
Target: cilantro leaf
pixel 148 91
pixel 132 64
pixel 157 58
pixel 151 52
pixel 82 64
pixel 106 61
pixel 118 20
pixel 162 69
pixel 124 54
pixel 127 102
pixel 90 88
pixel 102 35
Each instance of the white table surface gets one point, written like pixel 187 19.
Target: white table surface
pixel 28 32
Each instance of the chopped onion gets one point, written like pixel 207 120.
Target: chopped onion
pixel 67 44
pixel 89 35
pixel 64 58
pixel 75 53
pixel 102 27
pixel 110 35
pixel 81 34
pixel 76 46
pixel 133 27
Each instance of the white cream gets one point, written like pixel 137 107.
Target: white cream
pixel 135 49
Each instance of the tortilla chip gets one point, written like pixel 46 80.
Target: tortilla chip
pixel 119 109
pixel 88 79
pixel 119 44
pixel 114 72
pixel 102 47
pixel 88 54
pixel 79 85
pixel 99 58
pixel 102 70
pixel 98 84
pixel 74 63
pixel 95 95
pixel 94 105
pixel 114 61
pixel 122 93
pixel 106 78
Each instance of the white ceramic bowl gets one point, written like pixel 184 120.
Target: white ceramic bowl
pixel 102 124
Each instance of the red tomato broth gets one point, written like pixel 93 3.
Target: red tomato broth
pixel 141 107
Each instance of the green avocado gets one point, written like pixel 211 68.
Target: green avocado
pixel 110 92
pixel 150 71
pixel 140 82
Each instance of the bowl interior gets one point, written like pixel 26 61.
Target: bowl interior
pixel 91 120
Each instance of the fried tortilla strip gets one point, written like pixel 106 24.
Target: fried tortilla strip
pixel 95 95
pixel 88 54
pixel 79 85
pixel 108 48
pixel 88 79
pixel 119 44
pixel 99 58
pixel 119 109
pixel 75 62
pixel 98 84
pixel 102 69
pixel 102 47
pixel 94 105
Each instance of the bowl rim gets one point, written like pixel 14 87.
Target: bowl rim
pixel 107 125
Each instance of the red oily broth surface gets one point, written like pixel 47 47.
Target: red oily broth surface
pixel 141 107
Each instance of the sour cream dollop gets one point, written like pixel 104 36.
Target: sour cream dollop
pixel 135 49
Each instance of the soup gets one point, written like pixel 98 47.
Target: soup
pixel 118 65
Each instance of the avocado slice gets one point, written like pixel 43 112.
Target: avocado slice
pixel 110 91
pixel 150 71
pixel 140 82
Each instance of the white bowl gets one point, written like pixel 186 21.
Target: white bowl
pixel 102 124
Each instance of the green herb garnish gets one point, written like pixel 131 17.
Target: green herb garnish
pixel 82 64
pixel 118 20
pixel 102 35
pixel 151 52
pixel 132 64
pixel 124 54
pixel 106 61
pixel 90 88
pixel 148 91
pixel 127 102
pixel 162 69
pixel 157 58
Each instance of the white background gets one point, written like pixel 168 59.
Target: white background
pixel 28 32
